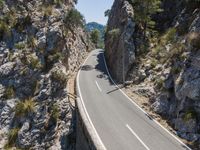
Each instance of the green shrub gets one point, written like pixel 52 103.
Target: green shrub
pixel 23 108
pixel 114 33
pixel 58 2
pixel 1 4
pixel 176 70
pixel 12 137
pixel 73 19
pixel 31 61
pixel 47 11
pixel 170 35
pixel 9 92
pixel 154 63
pixel 159 83
pixel 31 42
pixel 190 114
pixel 4 29
pixel 34 62
pixel 55 112
pixel 22 23
pixel 55 57
pixel 20 45
pixel 59 76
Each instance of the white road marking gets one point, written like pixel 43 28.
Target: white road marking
pixel 141 108
pixel 98 86
pixel 79 92
pixel 137 137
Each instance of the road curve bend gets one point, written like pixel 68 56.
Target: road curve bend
pixel 118 122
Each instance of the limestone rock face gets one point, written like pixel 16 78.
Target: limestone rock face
pixel 37 55
pixel 175 80
pixel 120 48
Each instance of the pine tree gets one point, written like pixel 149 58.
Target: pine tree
pixel 143 11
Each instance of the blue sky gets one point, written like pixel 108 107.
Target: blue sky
pixel 93 10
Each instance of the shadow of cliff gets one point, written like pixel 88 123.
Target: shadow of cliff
pixel 101 67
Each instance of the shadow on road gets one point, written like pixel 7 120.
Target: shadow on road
pixel 101 67
pixel 87 68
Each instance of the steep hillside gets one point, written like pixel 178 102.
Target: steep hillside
pixel 93 25
pixel 42 44
pixel 163 66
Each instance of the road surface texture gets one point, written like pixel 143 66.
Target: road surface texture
pixel 117 121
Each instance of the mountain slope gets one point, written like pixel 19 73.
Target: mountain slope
pixel 163 69
pixel 39 51
pixel 93 25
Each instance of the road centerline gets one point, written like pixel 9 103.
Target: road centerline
pixel 147 148
pixel 98 86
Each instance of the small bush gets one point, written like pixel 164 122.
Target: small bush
pixel 34 62
pixel 12 137
pixel 31 61
pixel 159 83
pixel 114 33
pixel 190 114
pixel 9 92
pixel 154 63
pixel 55 112
pixel 176 70
pixel 47 11
pixel 59 76
pixel 55 57
pixel 20 45
pixel 4 29
pixel 58 2
pixel 31 42
pixel 1 4
pixel 22 23
pixel 73 19
pixel 23 108
pixel 170 35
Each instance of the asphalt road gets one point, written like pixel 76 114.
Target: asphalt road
pixel 118 122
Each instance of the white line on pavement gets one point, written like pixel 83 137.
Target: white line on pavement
pixel 137 137
pixel 188 148
pixel 79 92
pixel 98 86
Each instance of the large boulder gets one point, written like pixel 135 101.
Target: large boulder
pixel 161 105
pixel 188 85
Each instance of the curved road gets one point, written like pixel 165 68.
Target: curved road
pixel 118 122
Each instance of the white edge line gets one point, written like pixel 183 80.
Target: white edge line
pixel 79 91
pixel 137 137
pixel 98 86
pixel 141 108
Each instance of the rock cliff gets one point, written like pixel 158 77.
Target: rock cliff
pixel 119 41
pixel 42 44
pixel 167 72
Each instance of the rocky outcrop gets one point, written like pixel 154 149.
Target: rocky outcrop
pixel 38 53
pixel 170 66
pixel 119 41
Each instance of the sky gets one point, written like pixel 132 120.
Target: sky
pixel 93 10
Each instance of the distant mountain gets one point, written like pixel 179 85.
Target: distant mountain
pixel 93 25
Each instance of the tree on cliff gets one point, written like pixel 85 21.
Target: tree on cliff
pixel 73 19
pixel 143 11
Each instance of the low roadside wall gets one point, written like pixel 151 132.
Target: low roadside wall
pixel 86 138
